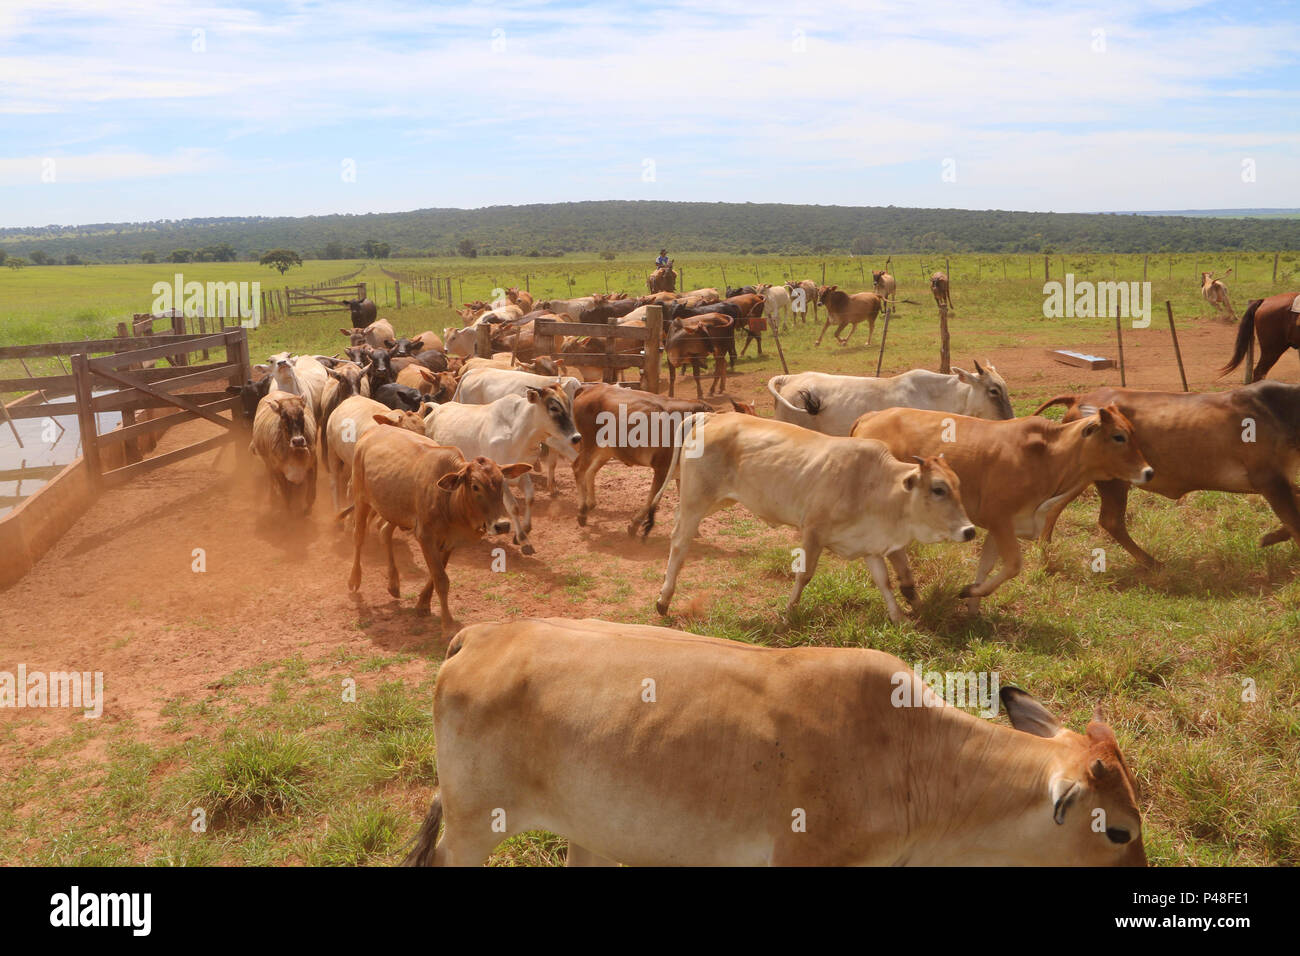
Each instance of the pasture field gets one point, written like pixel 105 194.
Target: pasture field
pixel 225 688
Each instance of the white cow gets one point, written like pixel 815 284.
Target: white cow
pixel 298 375
pixel 507 430
pixel 830 404
pixel 776 304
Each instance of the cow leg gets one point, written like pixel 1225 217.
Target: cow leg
pixel 903 570
pixel 880 574
pixel 758 341
pixel 361 518
pixel 988 555
pixel 513 512
pixel 672 378
pixel 394 583
pixel 1281 497
pixel 719 375
pixel 824 328
pixel 812 552
pixel 689 516
pixel 731 352
pixel 523 520
pixel 1009 552
pixel 695 370
pixel 645 519
pixel 1114 504
pixel 309 491
pixel 852 328
pixel 436 560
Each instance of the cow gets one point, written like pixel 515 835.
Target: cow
pixel 377 335
pixel 536 715
pixel 1215 292
pixel 381 371
pixel 1017 476
pixel 460 341
pixel 432 491
pixel 509 429
pixel 857 500
pixel 363 311
pixel 706 296
pixel 250 393
pixel 1198 442
pixel 663 279
pixel 435 360
pixel 402 397
pixel 802 293
pixel 848 310
pixel 298 375
pixel 882 284
pixel 830 404
pixel 405 347
pixel 338 438
pixel 776 305
pixel 523 300
pixel 750 305
pixel 695 339
pixel 284 437
pixel 344 382
pixel 939 289
pixel 635 427
pixel 573 308
pixel 434 386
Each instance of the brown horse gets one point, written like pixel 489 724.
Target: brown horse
pixel 1273 322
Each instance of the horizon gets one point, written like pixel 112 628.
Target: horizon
pixel 141 111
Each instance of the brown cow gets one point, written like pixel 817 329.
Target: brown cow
pixel 637 428
pixel 438 386
pixel 882 283
pixel 417 485
pixel 939 289
pixel 845 309
pixel 694 339
pixel 751 320
pixel 378 335
pixel 1016 476
pixel 284 437
pixel 522 299
pixel 1245 441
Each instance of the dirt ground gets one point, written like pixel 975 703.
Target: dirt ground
pixel 118 593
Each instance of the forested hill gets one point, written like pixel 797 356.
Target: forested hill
pixel 595 227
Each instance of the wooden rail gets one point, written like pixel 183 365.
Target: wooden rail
pixel 647 358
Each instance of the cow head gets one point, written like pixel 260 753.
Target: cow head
pixel 1090 811
pixel 478 491
pixel 381 368
pixel 557 408
pixel 294 430
pixel 988 396
pixel 877 275
pixel 460 341
pixel 355 336
pixel 934 503
pixel 401 418
pixel 250 393
pixel 823 292
pixel 1110 448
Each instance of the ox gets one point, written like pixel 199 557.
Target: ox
pixel 1215 292
pixel 939 289
pixel 1016 476
pixel 431 491
pixel 352 418
pixel 546 717
pixel 848 310
pixel 284 437
pixel 857 500
pixel 363 311
pixel 830 404
pixel 378 335
pixel 882 284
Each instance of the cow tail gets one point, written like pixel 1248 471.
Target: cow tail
pixel 1245 331
pixel 781 401
pixel 679 439
pixel 426 838
pixel 1069 401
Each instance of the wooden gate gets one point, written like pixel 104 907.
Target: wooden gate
pixel 647 359
pixel 139 389
pixel 319 300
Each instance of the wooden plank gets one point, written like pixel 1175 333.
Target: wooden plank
pixel 171 384
pixel 601 360
pixel 31 471
pixel 651 368
pixel 1078 360
pixel 117 476
pixel 177 400
pixel 48 349
pixel 592 329
pixel 191 343
pixel 66 383
pixel 86 419
pixel 157 424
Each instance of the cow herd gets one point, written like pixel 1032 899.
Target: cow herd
pixel 649 745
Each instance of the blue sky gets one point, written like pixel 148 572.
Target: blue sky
pixel 131 110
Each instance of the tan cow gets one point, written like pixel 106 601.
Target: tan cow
pixel 939 289
pixel 844 309
pixel 1016 476
pixel 284 437
pixel 438 386
pixel 420 486
pixel 548 720
pixel 338 439
pixel 802 294
pixel 858 501
pixel 1215 292
pixel 378 335
pixel 882 284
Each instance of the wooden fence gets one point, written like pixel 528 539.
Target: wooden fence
pixel 319 300
pixel 648 359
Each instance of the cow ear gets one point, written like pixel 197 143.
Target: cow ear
pixel 514 471
pixel 234 389
pixel 1093 426
pixel 381 420
pixel 534 395
pixel 450 481
pixel 1064 793
pixel 1028 714
pixel 911 480
pixel 264 369
pixel 964 375
pixel 345 331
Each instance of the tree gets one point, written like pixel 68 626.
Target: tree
pixel 467 248
pixel 15 262
pixel 72 259
pixel 180 255
pixel 149 256
pixel 375 249
pixel 282 259
pixel 3 256
pixel 333 249
pixel 40 258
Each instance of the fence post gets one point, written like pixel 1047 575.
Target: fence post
pixel 1275 255
pixel 650 367
pixel 86 419
pixel 483 340
pixel 945 357
pixel 178 327
pixel 611 373
pixel 398 286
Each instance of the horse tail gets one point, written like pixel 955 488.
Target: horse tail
pixel 1244 333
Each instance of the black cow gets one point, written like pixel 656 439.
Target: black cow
pixel 250 393
pixel 364 311
pixel 401 397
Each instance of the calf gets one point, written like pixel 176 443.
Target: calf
pixel 1215 292
pixel 432 491
pixel 434 386
pixel 694 340
pixel 830 404
pixel 750 306
pixel 801 294
pixel 857 500
pixel 509 429
pixel 848 310
pixel 400 397
pixel 637 428
pixel 284 437
pixel 352 418
pixel 250 393
pixel 377 335
pixel 1198 442
pixel 882 283
pixel 939 289
pixel 1016 476
pixel 537 715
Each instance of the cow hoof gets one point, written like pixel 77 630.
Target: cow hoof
pixel 582 519
pixel 662 608
pixel 909 592
pixel 1276 536
pixel 967 591
pixel 528 549
pixel 422 612
pixel 395 591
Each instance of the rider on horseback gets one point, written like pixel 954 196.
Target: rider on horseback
pixel 662 261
